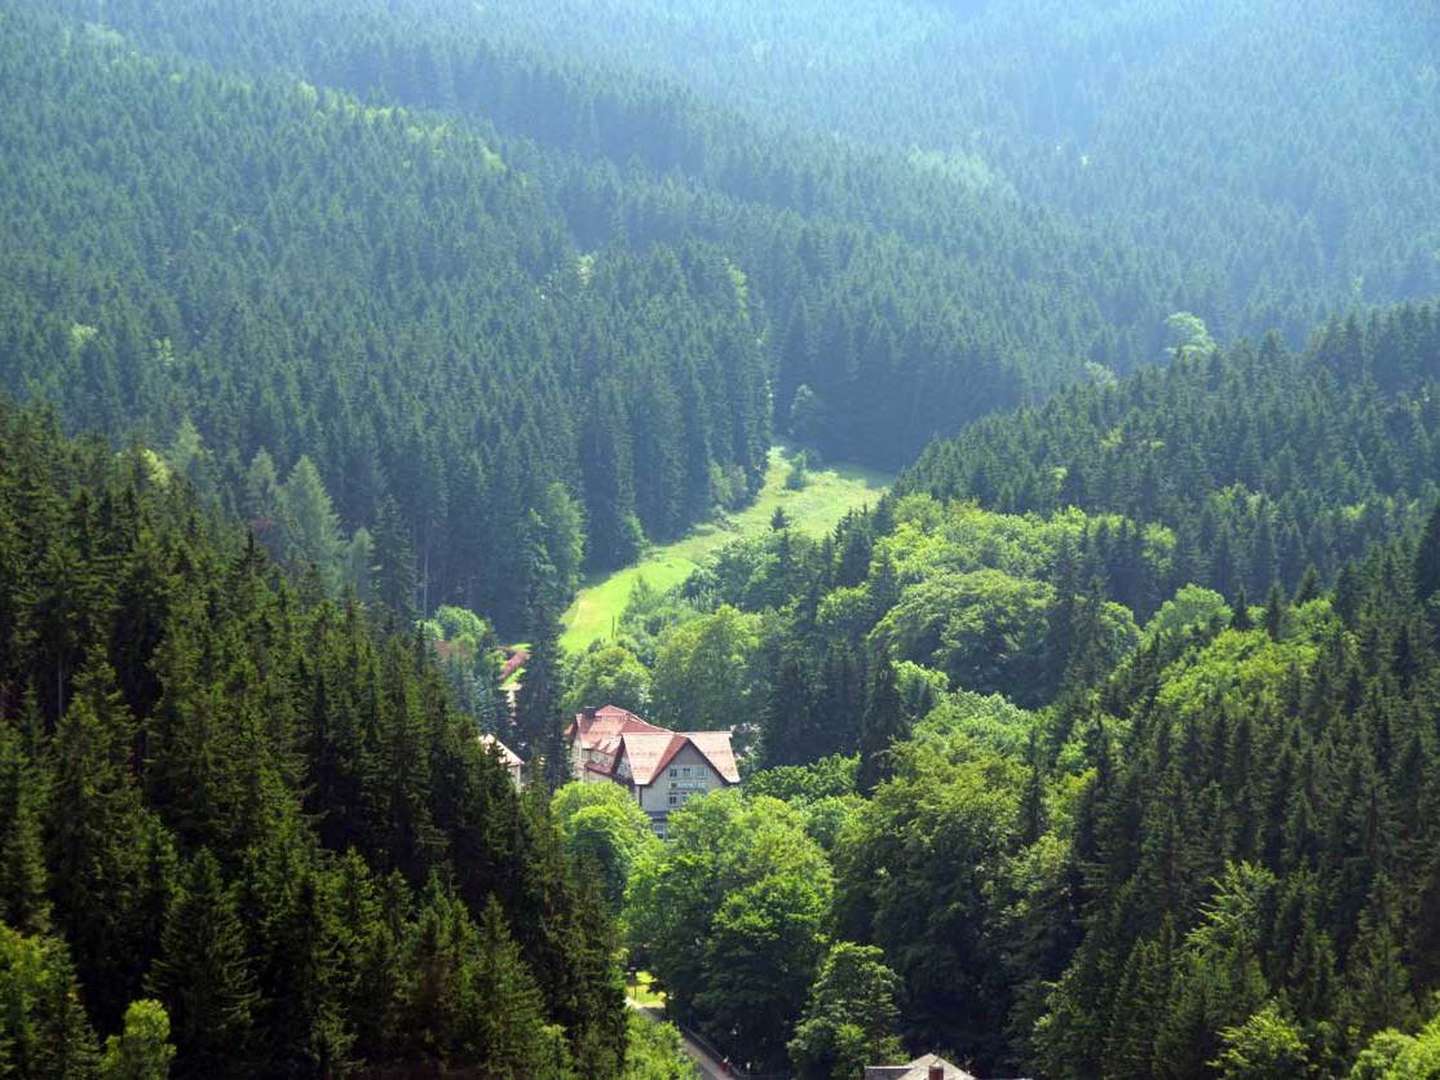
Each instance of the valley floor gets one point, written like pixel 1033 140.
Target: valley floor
pixel 832 492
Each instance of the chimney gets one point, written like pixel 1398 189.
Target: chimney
pixel 937 1072
pixel 589 712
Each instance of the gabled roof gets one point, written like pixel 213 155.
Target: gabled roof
pixel 613 732
pixel 716 748
pixel 506 754
pixel 650 752
pixel 596 728
pixel 919 1069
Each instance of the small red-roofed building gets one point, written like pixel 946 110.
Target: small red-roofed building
pixel 663 769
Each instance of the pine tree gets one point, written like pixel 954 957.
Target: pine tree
pixel 1241 620
pixel 97 816
pixel 1275 609
pixel 310 529
pixel 23 902
pixel 883 724
pixel 204 977
pixel 537 705
pixel 1427 560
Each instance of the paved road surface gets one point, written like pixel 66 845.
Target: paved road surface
pixel 709 1068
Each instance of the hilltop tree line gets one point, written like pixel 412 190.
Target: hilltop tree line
pixel 1264 462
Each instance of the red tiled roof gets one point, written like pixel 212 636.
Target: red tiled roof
pixel 606 725
pixel 518 659
pixel 716 748
pixel 613 731
pixel 649 753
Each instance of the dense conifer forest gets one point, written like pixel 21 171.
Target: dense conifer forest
pixel 341 341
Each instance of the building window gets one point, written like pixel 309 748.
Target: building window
pixel 673 799
pixel 674 772
pixel 686 770
pixel 700 771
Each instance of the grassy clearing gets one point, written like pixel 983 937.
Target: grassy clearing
pixel 831 493
pixel 643 992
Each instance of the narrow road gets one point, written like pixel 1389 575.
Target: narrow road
pixel 709 1068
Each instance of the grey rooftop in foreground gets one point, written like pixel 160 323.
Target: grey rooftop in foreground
pixel 929 1067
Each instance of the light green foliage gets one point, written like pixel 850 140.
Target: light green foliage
pixel 799 476
pixel 989 722
pixel 1238 666
pixel 142 1051
pixel 309 526
pixel 262 490
pixel 828 777
pixel 730 915
pixel 607 675
pixel 461 627
pixel 1267 1046
pixel 188 455
pixel 43 1028
pixel 985 630
pixel 707 670
pixel 976 603
pixel 653 1052
pixel 832 492
pixel 1192 608
pixel 1186 331
pixel 1391 1055
pixel 931 537
pixel 921 688
pixel 469 654
pixel 850 1018
pixel 603 825
pixel 824 790
pixel 828 819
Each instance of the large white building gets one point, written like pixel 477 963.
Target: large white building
pixel 661 768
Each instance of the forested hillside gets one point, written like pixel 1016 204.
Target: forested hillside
pixel 341 340
pixel 256 272
pixel 222 791
pixel 410 242
pixel 1097 817
pixel 1258 142
pixel 1263 462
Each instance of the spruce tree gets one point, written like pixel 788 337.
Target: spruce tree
pixel 883 724
pixel 23 902
pixel 1427 559
pixel 97 816
pixel 506 1032
pixel 204 977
